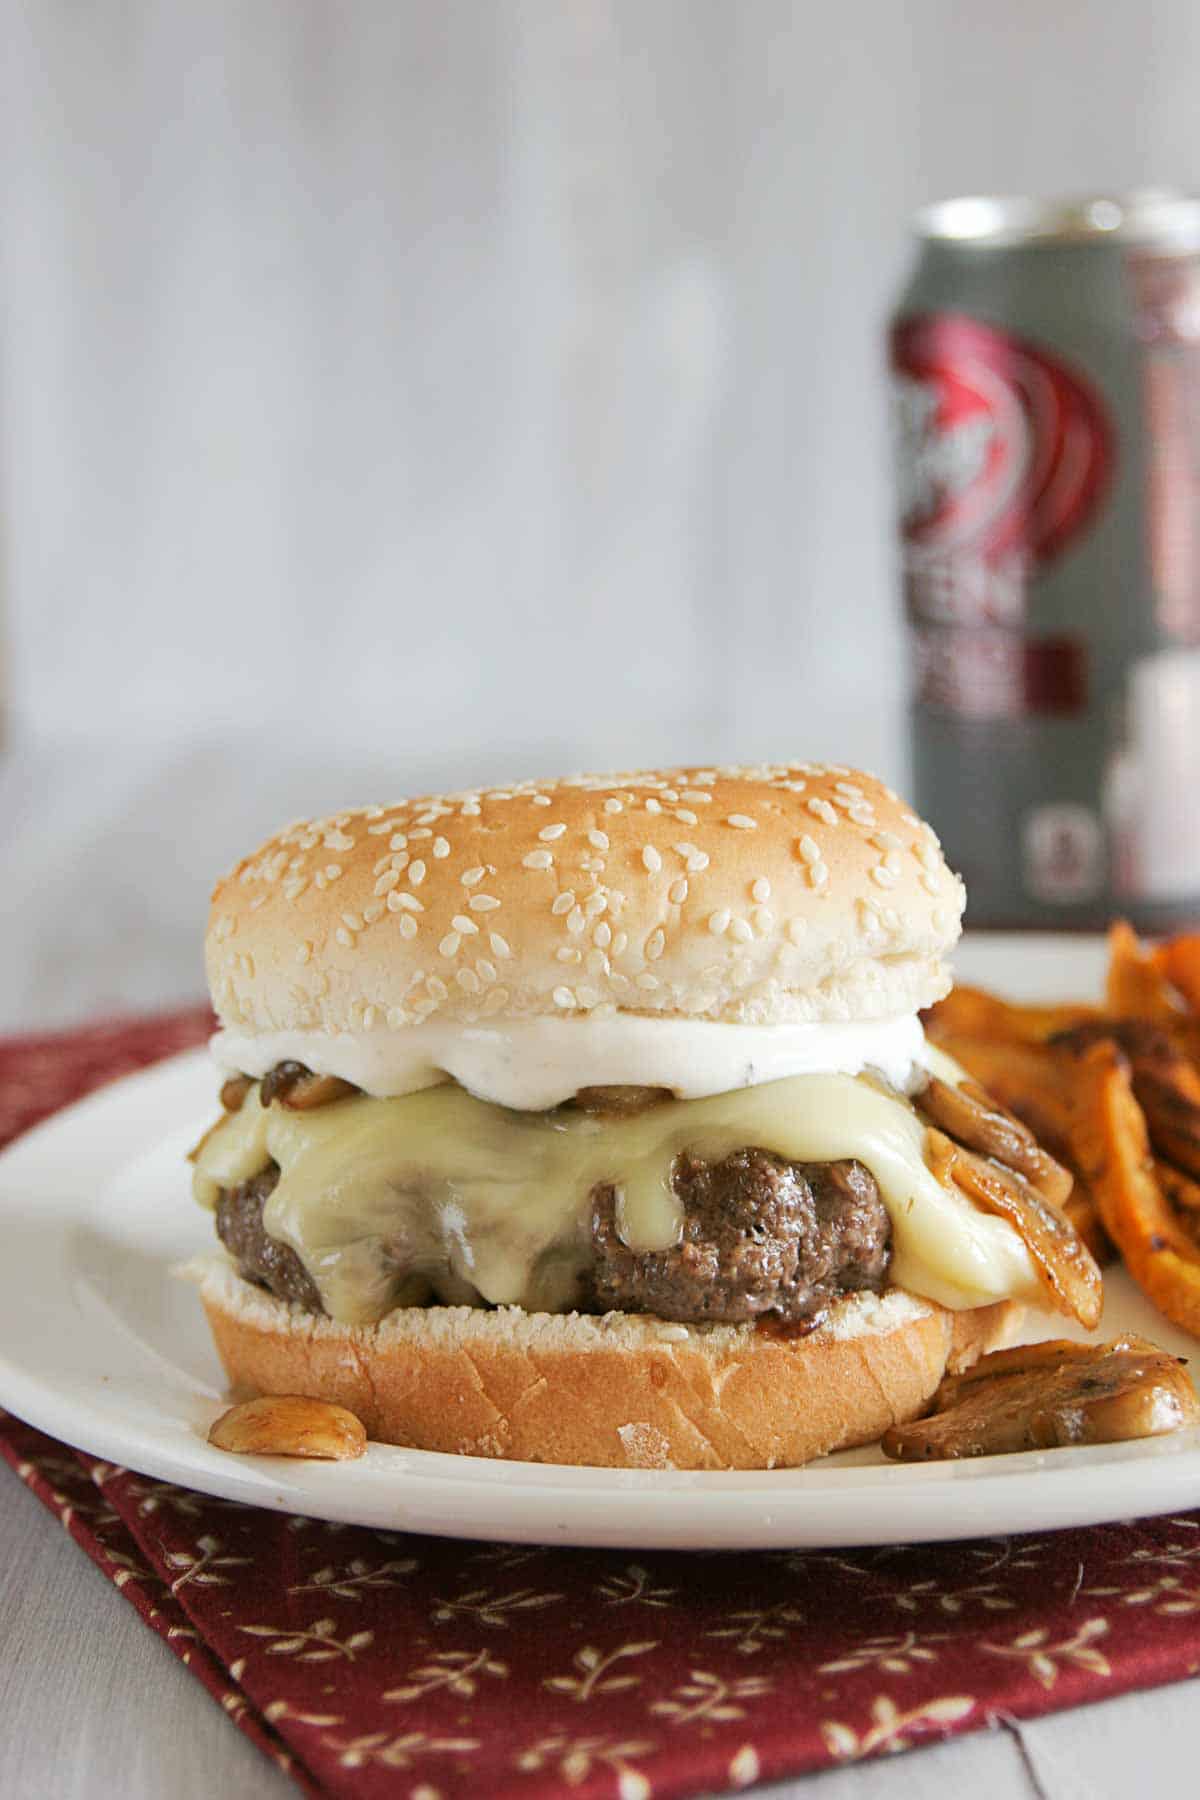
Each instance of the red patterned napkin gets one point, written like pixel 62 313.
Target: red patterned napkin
pixel 373 1664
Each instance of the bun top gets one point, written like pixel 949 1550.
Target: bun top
pixel 781 893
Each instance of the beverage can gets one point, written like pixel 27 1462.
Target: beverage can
pixel 1045 362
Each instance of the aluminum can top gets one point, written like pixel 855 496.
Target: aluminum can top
pixel 1152 218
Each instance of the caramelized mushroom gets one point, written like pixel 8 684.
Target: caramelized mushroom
pixel 972 1118
pixel 620 1102
pixel 234 1091
pixel 295 1086
pixel 1042 1396
pixel 1063 1262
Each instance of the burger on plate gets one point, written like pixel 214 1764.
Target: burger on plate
pixel 592 1121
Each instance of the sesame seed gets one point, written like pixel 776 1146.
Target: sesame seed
pixel 548 833
pixel 740 929
pixel 487 970
pixel 563 997
pixel 337 840
pixel 718 922
pixel 500 946
pixel 423 833
pixel 882 877
pixel 563 902
pixel 655 945
pixel 587 996
pixel 437 987
pixel 399 861
pixel 697 796
pixel 760 890
pixel 602 936
pixel 567 953
pixel 929 883
pixel 646 981
pixel 653 805
pixel 440 847
pixel 331 871
pixel 809 849
pixel 404 903
pixel 686 816
pixel 343 936
pixel 818 874
pixel 576 920
pixel 352 921
pixel 416 872
pixel 483 903
pixel 466 927
pixel 538 859
pixel 386 882
pixel 885 840
pixel 450 943
pixel 620 942
pixel 595 903
pixel 651 860
pixel 598 840
pixel 613 806
pixel 378 830
pixel 408 925
pixel 940 918
pixel 743 821
pixel 468 980
pixel 471 877
pixel 373 910
pixel 677 893
pixel 539 800
pixel 303 952
pixel 891 860
pixel 764 919
pixel 685 850
pixel 821 809
pixel 596 962
pixel 861 814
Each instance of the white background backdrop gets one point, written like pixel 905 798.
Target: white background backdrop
pixel 392 393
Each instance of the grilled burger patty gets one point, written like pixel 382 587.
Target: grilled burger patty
pixel 760 1236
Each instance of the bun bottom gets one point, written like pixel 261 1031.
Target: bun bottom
pixel 615 1391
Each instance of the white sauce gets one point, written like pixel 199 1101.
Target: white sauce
pixel 532 1064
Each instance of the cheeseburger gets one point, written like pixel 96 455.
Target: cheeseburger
pixel 592 1121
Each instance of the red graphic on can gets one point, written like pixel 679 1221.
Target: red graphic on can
pixel 1005 453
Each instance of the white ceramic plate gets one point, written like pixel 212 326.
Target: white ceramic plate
pixel 101 1347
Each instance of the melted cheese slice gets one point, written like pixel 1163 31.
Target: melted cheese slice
pixel 493 1205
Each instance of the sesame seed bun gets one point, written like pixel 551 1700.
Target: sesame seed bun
pixel 617 1391
pixel 767 895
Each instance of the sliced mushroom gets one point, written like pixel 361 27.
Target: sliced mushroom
pixel 295 1086
pixel 234 1091
pixel 620 1102
pixel 971 1117
pixel 1042 1396
pixel 1064 1265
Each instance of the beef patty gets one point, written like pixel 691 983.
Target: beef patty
pixel 260 1257
pixel 760 1236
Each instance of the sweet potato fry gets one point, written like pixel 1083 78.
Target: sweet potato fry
pixel 1179 960
pixel 972 1012
pixel 1112 1148
pixel 1166 1084
pixel 1136 988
